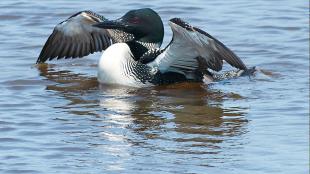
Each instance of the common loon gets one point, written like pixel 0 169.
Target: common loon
pixel 132 53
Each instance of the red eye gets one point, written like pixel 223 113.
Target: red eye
pixel 135 20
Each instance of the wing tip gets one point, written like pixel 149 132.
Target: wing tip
pixel 226 53
pixel 41 60
pixel 243 66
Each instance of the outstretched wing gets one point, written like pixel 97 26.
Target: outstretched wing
pixel 192 48
pixel 77 37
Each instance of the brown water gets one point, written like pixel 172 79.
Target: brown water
pixel 58 119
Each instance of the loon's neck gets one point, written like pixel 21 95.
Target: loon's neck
pixel 137 49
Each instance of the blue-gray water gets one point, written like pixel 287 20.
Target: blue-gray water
pixel 56 118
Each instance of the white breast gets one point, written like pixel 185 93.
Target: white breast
pixel 112 63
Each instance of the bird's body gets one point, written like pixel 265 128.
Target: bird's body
pixel 132 53
pixel 112 63
pixel 116 66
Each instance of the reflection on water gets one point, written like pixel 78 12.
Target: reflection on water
pixel 189 115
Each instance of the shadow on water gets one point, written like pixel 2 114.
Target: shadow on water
pixel 185 112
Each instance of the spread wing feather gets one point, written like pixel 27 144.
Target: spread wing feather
pixel 77 37
pixel 190 44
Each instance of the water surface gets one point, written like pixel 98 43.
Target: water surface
pixel 58 119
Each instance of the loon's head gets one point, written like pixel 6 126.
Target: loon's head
pixel 145 24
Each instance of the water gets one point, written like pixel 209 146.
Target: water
pixel 57 119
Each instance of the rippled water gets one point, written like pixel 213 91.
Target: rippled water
pixel 57 119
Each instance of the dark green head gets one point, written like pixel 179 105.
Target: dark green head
pixel 145 24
